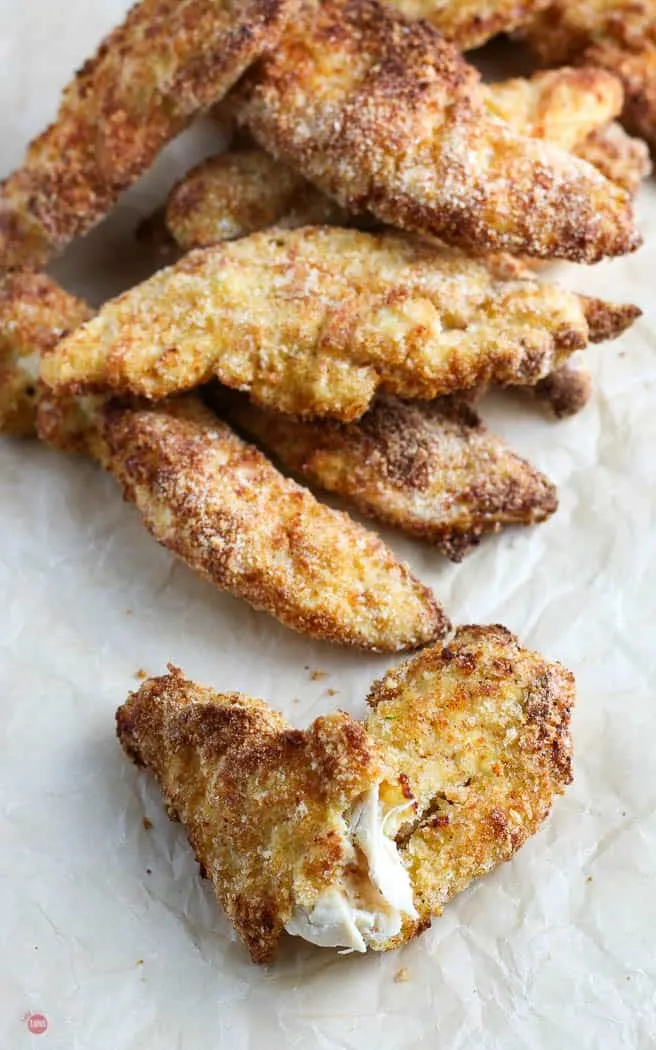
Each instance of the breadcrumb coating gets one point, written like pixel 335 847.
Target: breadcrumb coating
pixel 479 729
pixel 264 805
pixel 469 744
pixel 566 391
pixel 169 60
pixel 430 469
pixel 469 23
pixel 613 34
pixel 312 321
pixel 34 314
pixel 386 117
pixel 619 156
pixel 222 507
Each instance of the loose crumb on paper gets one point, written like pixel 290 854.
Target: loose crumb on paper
pixel 141 674
pixel 147 824
pixel 402 975
pixel 316 676
pixel 331 692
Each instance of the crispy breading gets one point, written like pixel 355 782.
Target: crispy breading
pixel 169 60
pixel 562 106
pixel 566 391
pixel 479 730
pixel 619 156
pixel 387 117
pixel 222 507
pixel 312 321
pixel 431 469
pixel 34 314
pixel 237 193
pixel 469 23
pixel 612 34
pixel 466 747
pixel 264 805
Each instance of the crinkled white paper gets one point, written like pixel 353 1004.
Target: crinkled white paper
pixel 105 927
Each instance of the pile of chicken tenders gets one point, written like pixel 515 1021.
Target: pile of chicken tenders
pixel 342 284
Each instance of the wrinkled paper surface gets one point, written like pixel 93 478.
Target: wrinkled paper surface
pixel 106 928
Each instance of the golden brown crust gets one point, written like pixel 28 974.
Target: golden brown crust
pixel 614 35
pixel 262 803
pixel 312 321
pixel 34 314
pixel 222 507
pixel 619 156
pixel 431 469
pixel 387 117
pixel 238 193
pixel 480 730
pixel 469 23
pixel 167 61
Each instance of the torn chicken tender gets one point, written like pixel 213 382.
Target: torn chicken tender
pixel 237 193
pixel 169 60
pixel 355 835
pixel 34 314
pixel 612 34
pixel 294 828
pixel 565 391
pixel 470 23
pixel 479 731
pixel 220 506
pixel 430 469
pixel 386 117
pixel 312 321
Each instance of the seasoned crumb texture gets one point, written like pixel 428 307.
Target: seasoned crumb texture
pixel 431 469
pixel 622 158
pixel 614 35
pixel 469 23
pixel 385 116
pixel 238 193
pixel 34 314
pixel 262 803
pixel 480 731
pixel 566 391
pixel 222 507
pixel 312 321
pixel 168 60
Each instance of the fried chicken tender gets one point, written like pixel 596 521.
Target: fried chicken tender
pixel 469 23
pixel 479 730
pixel 34 314
pixel 430 469
pixel 614 34
pixel 312 321
pixel 620 157
pixel 223 508
pixel 386 117
pixel 356 835
pixel 169 60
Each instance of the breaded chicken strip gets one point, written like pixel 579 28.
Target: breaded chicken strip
pixel 469 23
pixel 618 35
pixel 430 469
pixel 34 314
pixel 350 835
pixel 220 506
pixel 169 60
pixel 565 391
pixel 313 321
pixel 387 117
pixel 479 730
pixel 245 190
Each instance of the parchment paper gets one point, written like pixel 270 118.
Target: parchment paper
pixel 106 929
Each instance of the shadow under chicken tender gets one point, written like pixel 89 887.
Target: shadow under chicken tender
pixel 469 23
pixel 612 34
pixel 479 730
pixel 312 321
pixel 386 117
pixel 353 835
pixel 169 60
pixel 430 469
pixel 222 507
pixel 34 314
